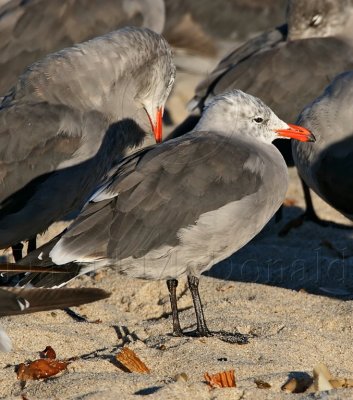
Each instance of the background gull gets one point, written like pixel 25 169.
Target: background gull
pixel 267 66
pixel 327 167
pixel 70 117
pixel 198 29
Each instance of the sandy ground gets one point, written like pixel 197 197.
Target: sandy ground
pixel 290 331
pixel 291 295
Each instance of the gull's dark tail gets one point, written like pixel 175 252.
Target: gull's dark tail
pixel 38 270
pixel 23 301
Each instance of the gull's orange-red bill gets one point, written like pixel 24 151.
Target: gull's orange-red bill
pixel 296 132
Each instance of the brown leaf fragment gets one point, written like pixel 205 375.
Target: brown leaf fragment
pixel 48 352
pixel 262 384
pixel 297 385
pixel 131 361
pixel 221 379
pixel 223 288
pixel 289 202
pixel 40 369
pixel 290 386
pixel 338 383
pixel 182 377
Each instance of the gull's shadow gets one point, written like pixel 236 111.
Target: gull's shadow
pixel 318 260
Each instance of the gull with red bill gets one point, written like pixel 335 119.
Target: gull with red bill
pixel 70 118
pixel 178 208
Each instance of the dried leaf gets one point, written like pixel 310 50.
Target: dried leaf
pixel 48 352
pixel 131 361
pixel 262 384
pixel 223 288
pixel 341 383
pixel 288 202
pixel 181 377
pixel 297 385
pixel 40 369
pixel 221 380
pixel 290 386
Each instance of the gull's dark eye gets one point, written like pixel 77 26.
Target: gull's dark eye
pixel 258 120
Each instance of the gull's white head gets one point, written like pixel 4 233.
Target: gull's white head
pixel 238 113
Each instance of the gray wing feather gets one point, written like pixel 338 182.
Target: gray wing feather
pixel 29 133
pixel 261 43
pixel 289 76
pixel 174 184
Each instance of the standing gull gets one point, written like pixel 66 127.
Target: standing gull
pixel 70 117
pixel 31 29
pixel 179 208
pixel 327 166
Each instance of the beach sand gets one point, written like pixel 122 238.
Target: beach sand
pixel 293 301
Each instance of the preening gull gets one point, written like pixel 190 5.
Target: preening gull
pixel 31 29
pixel 70 118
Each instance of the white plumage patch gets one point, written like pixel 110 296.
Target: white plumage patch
pixel 23 303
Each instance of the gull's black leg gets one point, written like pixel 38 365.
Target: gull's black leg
pixel 17 251
pixel 202 329
pixel 172 285
pixel 309 215
pixel 32 244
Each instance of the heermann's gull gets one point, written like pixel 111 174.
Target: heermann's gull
pixel 197 26
pixel 180 207
pixel 317 30
pixel 327 166
pixel 24 301
pixel 70 117
pixel 31 29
